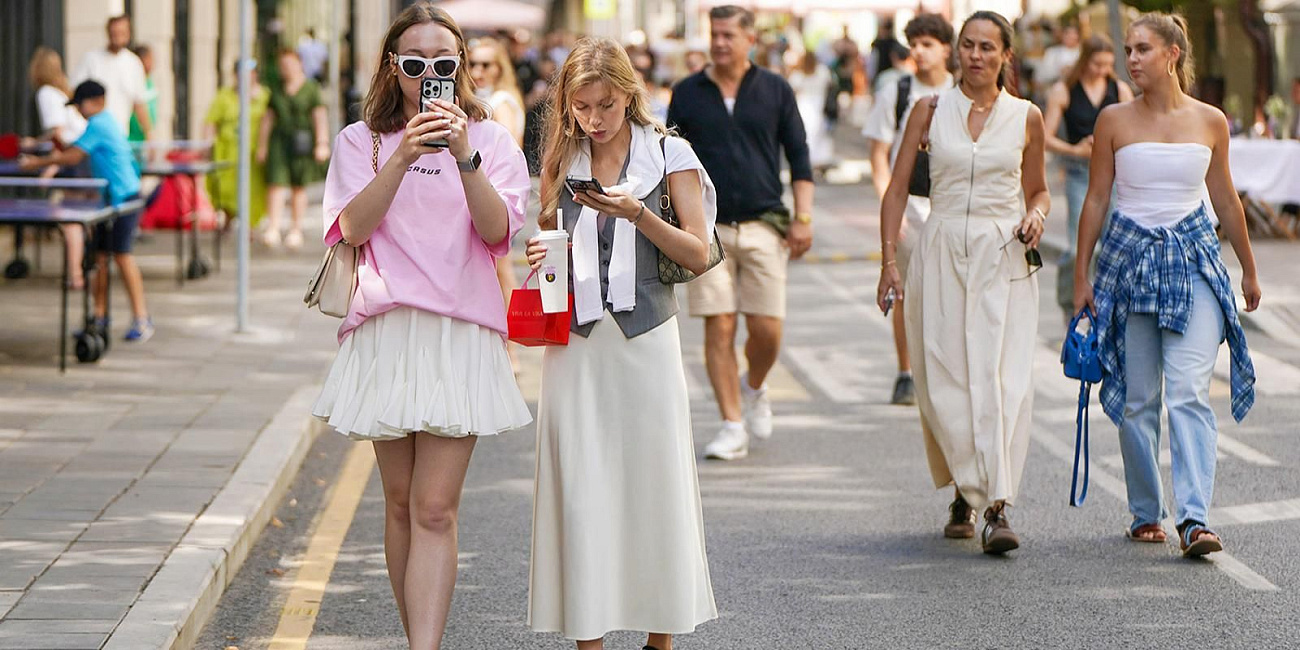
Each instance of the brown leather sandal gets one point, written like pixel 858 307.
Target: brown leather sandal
pixel 1147 534
pixel 1196 539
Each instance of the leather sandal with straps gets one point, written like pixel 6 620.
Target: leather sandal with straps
pixel 998 538
pixel 1196 539
pixel 1152 533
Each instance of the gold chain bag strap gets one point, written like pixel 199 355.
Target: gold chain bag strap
pixel 670 272
pixel 335 280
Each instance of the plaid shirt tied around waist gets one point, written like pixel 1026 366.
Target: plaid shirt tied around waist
pixel 1149 271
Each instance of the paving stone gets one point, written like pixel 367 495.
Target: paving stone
pixel 135 529
pixel 27 627
pixel 40 529
pixel 46 641
pixel 7 600
pixel 72 579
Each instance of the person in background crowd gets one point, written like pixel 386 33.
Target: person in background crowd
pixel 137 132
pixel 494 83
pixel 1163 299
pixel 62 124
pixel 929 37
pixel 427 322
pixel 972 298
pixel 524 60
pixel 221 126
pixel 900 65
pixel 1088 88
pixel 739 118
pixel 314 54
pixel 103 143
pixel 812 84
pixel 1293 132
pixel 880 59
pixel 1058 59
pixel 121 74
pixel 615 458
pixel 292 142
pixel 643 62
pixel 696 61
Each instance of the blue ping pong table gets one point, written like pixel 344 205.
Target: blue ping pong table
pixel 87 214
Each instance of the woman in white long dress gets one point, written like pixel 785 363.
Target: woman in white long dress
pixel 811 82
pixel 972 300
pixel 618 529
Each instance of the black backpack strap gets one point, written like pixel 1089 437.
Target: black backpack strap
pixel 901 103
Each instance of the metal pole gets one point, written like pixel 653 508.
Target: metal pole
pixel 1117 37
pixel 336 37
pixel 241 292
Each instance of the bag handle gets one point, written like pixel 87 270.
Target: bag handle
pixel 374 152
pixel 1081 445
pixel 528 279
pixel 925 135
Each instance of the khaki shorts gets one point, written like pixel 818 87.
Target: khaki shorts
pixel 751 280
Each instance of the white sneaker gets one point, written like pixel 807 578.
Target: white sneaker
pixel 757 409
pixel 731 443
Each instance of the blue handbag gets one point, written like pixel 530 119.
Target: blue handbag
pixel 1080 356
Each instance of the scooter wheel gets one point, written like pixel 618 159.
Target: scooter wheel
pixel 17 269
pixel 90 346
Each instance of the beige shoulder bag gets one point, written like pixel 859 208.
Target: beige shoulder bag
pixel 335 281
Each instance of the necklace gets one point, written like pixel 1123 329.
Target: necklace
pixel 980 109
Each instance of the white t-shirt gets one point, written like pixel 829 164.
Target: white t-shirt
pixel 882 125
pixel 122 76
pixel 52 105
pixel 501 98
pixel 731 104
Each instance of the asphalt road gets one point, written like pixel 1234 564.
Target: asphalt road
pixel 829 534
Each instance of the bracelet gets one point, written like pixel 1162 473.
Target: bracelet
pixel 1040 212
pixel 639 213
pixel 887 263
pixel 887 244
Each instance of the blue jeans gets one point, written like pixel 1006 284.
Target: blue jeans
pixel 1076 190
pixel 1186 362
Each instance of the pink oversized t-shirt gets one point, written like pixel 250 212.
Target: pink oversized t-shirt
pixel 426 252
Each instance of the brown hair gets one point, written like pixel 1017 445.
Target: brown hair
pixel 1172 29
pixel 727 12
pixel 1093 45
pixel 382 109
pixel 46 69
pixel 1007 78
pixel 593 60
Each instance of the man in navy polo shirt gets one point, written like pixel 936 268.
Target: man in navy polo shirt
pixel 105 145
pixel 739 118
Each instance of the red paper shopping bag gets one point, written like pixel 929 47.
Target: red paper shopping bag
pixel 529 325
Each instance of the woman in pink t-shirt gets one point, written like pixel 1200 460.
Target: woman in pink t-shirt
pixel 422 367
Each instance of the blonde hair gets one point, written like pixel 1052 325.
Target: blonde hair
pixel 1172 29
pixel 593 60
pixel 506 80
pixel 382 109
pixel 46 69
pixel 1092 46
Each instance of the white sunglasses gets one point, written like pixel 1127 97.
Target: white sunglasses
pixel 417 66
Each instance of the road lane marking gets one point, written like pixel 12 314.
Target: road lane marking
pixel 1257 513
pixel 1230 565
pixel 298 617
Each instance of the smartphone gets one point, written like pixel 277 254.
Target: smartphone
pixel 889 301
pixel 431 89
pixel 578 184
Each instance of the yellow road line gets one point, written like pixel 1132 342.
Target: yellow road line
pixel 300 610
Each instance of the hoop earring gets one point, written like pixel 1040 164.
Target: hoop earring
pixel 1172 68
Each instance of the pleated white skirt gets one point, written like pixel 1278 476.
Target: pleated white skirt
pixel 409 370
pixel 618 528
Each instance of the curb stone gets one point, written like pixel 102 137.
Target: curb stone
pixel 181 597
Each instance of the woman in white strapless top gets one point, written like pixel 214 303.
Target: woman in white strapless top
pixel 971 311
pixel 1163 301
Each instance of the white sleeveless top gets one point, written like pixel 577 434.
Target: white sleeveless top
pixel 1159 183
pixel 499 98
pixel 977 178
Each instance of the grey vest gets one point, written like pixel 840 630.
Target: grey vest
pixel 655 301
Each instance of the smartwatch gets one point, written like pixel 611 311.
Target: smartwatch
pixel 472 164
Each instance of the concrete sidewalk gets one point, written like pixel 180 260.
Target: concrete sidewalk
pixel 131 489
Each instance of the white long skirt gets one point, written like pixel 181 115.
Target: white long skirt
pixel 972 325
pixel 409 370
pixel 618 529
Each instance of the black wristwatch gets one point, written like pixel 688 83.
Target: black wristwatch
pixel 471 165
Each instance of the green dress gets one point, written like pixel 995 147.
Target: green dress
pixel 136 132
pixel 293 125
pixel 223 184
